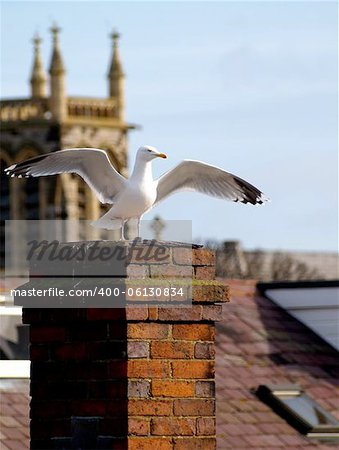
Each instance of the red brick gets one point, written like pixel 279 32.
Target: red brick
pixel 148 369
pixel 182 256
pixel 194 407
pixel 203 257
pixel 192 313
pixel 138 388
pixel 39 352
pixel 193 369
pixel 84 371
pixel 205 389
pixel 210 293
pixel 194 444
pixel 172 349
pixel 134 313
pixel 171 271
pixel 88 407
pixel 113 426
pixel 93 331
pixel 148 331
pixel 138 427
pixel 45 334
pixel 35 443
pixel 203 293
pixel 195 257
pixel 138 349
pixel 64 315
pixel 181 293
pixel 155 290
pixel 51 428
pixel 107 389
pixel 116 407
pixel 49 409
pixel 75 351
pixel 153 313
pixel 58 390
pixel 170 426
pixel 206 426
pixel 149 407
pixel 106 314
pixel 106 350
pixel 212 312
pixel 117 330
pixel 205 273
pixel 136 271
pixel 31 315
pixel 204 350
pixel 150 255
pixel 171 388
pixel 120 444
pixel 117 369
pixel 148 443
pixel 198 332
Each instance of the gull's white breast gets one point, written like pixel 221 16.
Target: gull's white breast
pixel 134 200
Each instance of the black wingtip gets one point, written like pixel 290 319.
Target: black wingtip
pixel 250 193
pixel 21 169
pixel 15 171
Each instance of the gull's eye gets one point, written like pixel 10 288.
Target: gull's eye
pixel 149 150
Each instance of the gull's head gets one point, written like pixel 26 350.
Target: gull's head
pixel 147 153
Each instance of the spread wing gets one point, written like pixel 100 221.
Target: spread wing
pixel 210 180
pixel 92 165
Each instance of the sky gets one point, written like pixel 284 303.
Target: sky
pixel 251 87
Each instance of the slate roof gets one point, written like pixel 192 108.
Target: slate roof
pixel 14 410
pixel 259 343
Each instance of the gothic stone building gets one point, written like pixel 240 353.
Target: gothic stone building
pixel 53 120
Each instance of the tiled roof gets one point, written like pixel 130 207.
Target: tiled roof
pixel 259 343
pixel 14 410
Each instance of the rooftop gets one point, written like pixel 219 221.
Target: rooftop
pixel 260 343
pixel 14 410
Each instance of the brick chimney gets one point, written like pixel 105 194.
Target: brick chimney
pixel 137 377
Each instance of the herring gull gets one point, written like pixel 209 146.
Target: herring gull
pixel 133 197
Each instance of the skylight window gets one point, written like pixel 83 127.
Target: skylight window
pixel 300 411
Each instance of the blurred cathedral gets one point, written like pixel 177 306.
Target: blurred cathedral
pixel 51 120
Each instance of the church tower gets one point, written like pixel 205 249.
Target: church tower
pixel 46 122
pixel 58 100
pixel 38 78
pixel 116 78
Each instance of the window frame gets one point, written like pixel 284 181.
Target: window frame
pixel 271 396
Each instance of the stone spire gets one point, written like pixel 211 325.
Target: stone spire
pixel 57 65
pixel 38 77
pixel 116 78
pixel 58 101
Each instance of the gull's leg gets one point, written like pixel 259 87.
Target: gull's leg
pixel 138 227
pixel 122 236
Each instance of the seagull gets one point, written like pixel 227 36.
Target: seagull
pixel 131 198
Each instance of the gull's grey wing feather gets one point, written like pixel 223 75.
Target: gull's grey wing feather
pixel 91 164
pixel 200 177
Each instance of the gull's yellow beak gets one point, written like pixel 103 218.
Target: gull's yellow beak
pixel 162 155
